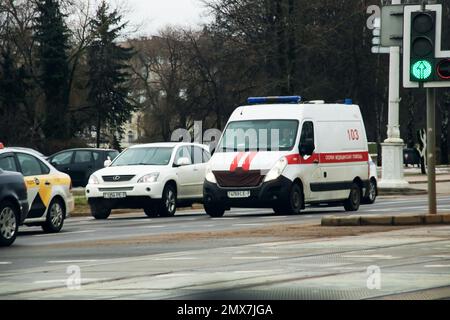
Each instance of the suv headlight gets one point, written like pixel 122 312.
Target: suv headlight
pixel 149 178
pixel 209 175
pixel 277 170
pixel 93 180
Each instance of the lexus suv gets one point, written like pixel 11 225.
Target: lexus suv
pixel 155 177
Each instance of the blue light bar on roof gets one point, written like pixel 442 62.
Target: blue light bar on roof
pixel 348 101
pixel 281 99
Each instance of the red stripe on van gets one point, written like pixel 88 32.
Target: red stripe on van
pixel 340 157
pixel 248 161
pixel 236 160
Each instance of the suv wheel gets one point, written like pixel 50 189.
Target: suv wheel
pixel 9 223
pixel 55 217
pixel 354 199
pixel 168 204
pixel 99 211
pixel 151 211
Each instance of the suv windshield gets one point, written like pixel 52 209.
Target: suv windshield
pixel 144 156
pixel 259 135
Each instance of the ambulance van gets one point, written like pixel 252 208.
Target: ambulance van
pixel 280 153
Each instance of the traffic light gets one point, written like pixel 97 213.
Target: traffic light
pixel 423 37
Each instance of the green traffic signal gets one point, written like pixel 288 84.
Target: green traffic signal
pixel 421 70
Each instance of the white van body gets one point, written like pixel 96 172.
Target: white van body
pixel 339 161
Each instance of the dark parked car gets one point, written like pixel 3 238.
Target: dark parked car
pixel 411 156
pixel 81 163
pixel 13 205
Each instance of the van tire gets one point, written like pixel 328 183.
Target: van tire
pixel 294 203
pixel 354 199
pixel 99 211
pixel 168 204
pixel 214 211
pixel 55 217
pixel 372 193
pixel 9 214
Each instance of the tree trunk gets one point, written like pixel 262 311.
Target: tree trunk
pixel 99 123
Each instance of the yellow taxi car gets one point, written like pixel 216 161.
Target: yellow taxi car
pixel 49 191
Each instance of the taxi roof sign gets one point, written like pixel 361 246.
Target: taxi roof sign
pixel 2 146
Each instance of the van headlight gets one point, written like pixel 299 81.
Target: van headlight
pixel 149 178
pixel 277 170
pixel 209 175
pixel 93 180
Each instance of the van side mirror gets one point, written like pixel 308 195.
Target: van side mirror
pixel 307 147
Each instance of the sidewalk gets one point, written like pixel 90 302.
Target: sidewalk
pixel 418 181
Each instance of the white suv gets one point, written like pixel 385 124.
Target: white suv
pixel 156 177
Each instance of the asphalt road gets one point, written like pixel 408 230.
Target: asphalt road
pixel 114 262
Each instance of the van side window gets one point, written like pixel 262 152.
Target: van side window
pixel 307 145
pixel 307 133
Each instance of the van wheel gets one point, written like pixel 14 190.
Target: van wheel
pixel 100 212
pixel 294 204
pixel 55 217
pixel 168 204
pixel 9 223
pixel 371 193
pixel 354 199
pixel 214 211
pixel 151 211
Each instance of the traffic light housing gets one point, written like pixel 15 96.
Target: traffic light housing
pixel 423 43
pixel 425 64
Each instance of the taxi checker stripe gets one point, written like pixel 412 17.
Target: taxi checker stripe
pixel 340 157
pixel 248 161
pixel 236 161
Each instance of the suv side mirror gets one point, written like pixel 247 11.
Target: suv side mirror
pixel 307 147
pixel 184 161
pixel 107 162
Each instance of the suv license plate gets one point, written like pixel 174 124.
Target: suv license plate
pixel 238 194
pixel 114 195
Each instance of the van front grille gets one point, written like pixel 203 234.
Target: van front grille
pixel 239 178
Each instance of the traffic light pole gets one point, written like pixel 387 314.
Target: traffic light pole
pixel 431 149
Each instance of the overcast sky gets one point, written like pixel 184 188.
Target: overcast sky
pixel 153 15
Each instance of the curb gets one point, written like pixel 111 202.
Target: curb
pixel 403 192
pixel 382 220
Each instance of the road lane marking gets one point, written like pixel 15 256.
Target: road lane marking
pixel 64 233
pixel 247 224
pixel 176 258
pixel 151 227
pixel 5 262
pixel 437 266
pixel 223 219
pixel 71 261
pixel 254 258
pixel 65 280
pixel 372 256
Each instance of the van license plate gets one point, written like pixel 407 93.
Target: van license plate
pixel 114 195
pixel 238 194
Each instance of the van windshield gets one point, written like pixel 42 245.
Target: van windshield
pixel 259 135
pixel 144 156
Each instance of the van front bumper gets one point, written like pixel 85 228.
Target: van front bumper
pixel 266 195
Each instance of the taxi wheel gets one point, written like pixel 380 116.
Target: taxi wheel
pixel 9 223
pixel 151 211
pixel 55 217
pixel 354 199
pixel 168 205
